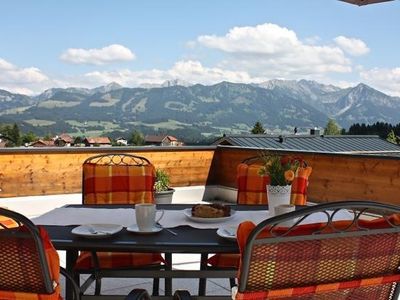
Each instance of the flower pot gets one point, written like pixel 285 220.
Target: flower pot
pixel 277 195
pixel 164 197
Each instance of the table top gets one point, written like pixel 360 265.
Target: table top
pixel 187 240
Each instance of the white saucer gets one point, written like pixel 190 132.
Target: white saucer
pixel 228 232
pixel 134 228
pixel 96 230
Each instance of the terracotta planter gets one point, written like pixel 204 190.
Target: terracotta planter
pixel 164 197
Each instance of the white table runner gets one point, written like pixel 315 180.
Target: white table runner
pixel 65 216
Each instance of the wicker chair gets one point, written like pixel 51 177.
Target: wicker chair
pixel 357 259
pixel 252 191
pixel 29 263
pixel 116 179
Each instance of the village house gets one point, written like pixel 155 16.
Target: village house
pixel 101 141
pixel 43 143
pixel 162 140
pixel 64 140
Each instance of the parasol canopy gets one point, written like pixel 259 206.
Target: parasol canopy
pixel 364 2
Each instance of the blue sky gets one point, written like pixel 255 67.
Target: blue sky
pixel 93 42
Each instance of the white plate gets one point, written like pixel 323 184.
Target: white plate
pixel 134 228
pixel 188 214
pixel 97 230
pixel 228 232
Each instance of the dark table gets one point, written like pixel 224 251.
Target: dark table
pixel 187 240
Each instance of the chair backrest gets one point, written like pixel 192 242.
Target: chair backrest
pixel 252 187
pixel 28 262
pixel 117 179
pixel 353 259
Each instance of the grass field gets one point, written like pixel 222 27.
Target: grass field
pixel 14 111
pixel 56 103
pixel 36 122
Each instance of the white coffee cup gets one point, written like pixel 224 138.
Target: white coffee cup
pixel 146 216
pixel 284 209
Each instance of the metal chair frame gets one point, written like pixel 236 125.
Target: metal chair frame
pixel 33 233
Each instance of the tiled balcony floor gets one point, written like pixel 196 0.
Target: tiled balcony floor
pixel 122 286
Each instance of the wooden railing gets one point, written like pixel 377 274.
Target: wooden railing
pixel 40 171
pixel 334 176
pixel 27 172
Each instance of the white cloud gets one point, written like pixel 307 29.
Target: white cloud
pixel 109 54
pixel 268 50
pixel 21 80
pixel 352 46
pixel 385 80
pixel 190 71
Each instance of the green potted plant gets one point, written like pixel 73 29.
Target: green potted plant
pixel 281 171
pixel 163 192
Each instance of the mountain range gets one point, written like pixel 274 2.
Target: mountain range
pixel 196 110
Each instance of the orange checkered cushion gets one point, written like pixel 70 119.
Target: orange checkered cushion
pixel 252 188
pixel 359 289
pixel 109 260
pixel 54 267
pixel 363 266
pixel 7 222
pixel 299 186
pixel 118 184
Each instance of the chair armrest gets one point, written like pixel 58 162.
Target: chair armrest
pixel 138 294
pixel 75 288
pixel 182 295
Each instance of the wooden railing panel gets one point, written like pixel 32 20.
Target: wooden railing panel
pixel 334 177
pixel 48 171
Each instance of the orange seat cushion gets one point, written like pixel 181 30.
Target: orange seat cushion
pixel 252 188
pixel 118 184
pixel 109 260
pixel 299 186
pixel 232 260
pixel 7 222
pixel 276 262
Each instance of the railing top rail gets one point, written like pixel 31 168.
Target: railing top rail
pixel 25 150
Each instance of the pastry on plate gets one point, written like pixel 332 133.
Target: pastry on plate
pixel 211 211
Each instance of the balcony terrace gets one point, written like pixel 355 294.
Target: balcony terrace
pixel 33 181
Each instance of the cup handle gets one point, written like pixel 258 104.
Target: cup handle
pixel 162 214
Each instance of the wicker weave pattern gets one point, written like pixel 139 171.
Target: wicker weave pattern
pixel 303 263
pixel 364 293
pixel 20 268
pixel 384 291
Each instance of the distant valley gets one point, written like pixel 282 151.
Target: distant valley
pixel 196 111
